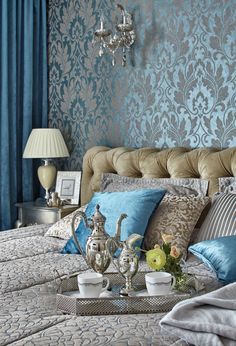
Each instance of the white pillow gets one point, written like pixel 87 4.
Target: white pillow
pixel 62 228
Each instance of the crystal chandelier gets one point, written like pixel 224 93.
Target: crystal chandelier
pixel 123 38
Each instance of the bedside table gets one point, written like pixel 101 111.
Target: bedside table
pixel 30 213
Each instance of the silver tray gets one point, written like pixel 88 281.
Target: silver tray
pixel 115 304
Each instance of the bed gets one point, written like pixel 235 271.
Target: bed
pixel 31 263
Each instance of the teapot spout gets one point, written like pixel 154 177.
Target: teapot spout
pixel 113 243
pixel 118 226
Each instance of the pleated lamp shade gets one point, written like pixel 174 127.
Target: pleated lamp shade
pixel 45 144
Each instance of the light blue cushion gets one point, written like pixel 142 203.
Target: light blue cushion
pixel 137 204
pixel 220 255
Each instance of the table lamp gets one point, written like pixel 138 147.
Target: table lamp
pixel 46 144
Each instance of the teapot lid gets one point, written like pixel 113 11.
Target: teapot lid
pixel 98 217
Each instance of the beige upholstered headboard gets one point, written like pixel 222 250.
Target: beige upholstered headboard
pixel 202 163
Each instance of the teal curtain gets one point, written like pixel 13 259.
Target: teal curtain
pixel 23 98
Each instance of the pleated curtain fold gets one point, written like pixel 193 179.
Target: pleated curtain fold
pixel 23 98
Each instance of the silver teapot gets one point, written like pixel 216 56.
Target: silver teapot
pixel 128 260
pixel 97 255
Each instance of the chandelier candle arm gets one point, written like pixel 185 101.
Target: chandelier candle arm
pixel 102 23
pixel 124 18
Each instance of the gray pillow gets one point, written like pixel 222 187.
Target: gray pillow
pixel 181 187
pixel 227 184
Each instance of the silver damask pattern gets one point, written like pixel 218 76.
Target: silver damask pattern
pixel 177 90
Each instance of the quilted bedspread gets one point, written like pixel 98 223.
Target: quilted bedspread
pixel 29 264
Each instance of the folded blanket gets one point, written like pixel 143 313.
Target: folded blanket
pixel 207 320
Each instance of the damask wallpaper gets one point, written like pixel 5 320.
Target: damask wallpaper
pixel 179 88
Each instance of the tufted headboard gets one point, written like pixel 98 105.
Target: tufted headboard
pixel 205 163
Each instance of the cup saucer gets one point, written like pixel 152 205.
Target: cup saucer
pixel 144 293
pixel 77 294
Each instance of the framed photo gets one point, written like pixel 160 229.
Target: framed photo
pixel 68 186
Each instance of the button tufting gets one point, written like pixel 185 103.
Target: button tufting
pixel 205 163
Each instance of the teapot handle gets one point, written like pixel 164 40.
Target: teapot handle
pixel 85 219
pixel 111 250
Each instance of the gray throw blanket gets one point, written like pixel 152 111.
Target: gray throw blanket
pixel 207 320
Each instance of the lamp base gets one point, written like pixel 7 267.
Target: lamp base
pixel 47 176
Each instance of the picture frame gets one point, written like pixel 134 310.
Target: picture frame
pixel 68 186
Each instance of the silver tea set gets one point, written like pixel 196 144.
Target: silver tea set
pixel 101 248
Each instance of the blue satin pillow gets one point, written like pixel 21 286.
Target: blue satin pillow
pixel 137 204
pixel 220 255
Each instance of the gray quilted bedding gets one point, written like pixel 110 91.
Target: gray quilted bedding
pixel 28 313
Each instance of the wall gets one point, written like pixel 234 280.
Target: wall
pixel 179 88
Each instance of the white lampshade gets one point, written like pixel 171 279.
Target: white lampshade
pixel 45 144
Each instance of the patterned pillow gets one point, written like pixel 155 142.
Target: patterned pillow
pixel 185 186
pixel 177 216
pixel 62 228
pixel 221 219
pixel 227 185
